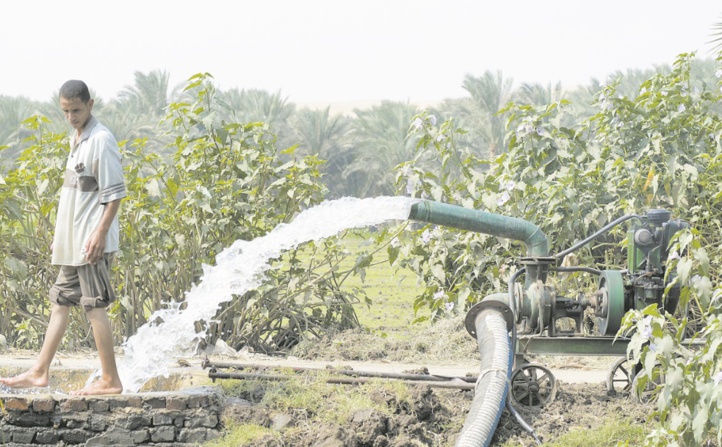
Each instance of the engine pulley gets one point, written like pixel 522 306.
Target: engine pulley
pixel 609 307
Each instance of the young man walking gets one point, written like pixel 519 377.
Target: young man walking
pixel 86 238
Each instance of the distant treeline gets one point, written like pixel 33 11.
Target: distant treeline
pixel 360 149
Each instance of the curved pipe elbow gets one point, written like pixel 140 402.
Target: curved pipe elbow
pixel 482 222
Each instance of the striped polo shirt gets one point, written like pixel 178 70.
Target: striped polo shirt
pixel 93 177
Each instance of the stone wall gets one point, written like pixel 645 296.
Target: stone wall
pixel 179 418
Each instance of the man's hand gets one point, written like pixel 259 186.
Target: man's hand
pixel 95 247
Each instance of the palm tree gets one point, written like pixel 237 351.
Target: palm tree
pixel 381 144
pixel 717 37
pixel 245 106
pixel 319 133
pixel 149 96
pixel 489 94
pixel 13 111
pixel 537 94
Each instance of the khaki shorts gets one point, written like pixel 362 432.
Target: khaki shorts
pixel 85 285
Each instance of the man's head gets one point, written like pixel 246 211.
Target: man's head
pixel 76 104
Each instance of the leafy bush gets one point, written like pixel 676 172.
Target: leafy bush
pixel 660 149
pixel 225 181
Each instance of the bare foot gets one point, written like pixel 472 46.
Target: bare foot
pixel 100 387
pixel 28 379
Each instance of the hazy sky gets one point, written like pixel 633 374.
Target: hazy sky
pixel 341 50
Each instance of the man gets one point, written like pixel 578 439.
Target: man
pixel 86 238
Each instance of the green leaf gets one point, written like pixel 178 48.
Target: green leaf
pixel 438 272
pixel 699 425
pixel 684 267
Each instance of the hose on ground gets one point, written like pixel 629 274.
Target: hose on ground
pixel 492 384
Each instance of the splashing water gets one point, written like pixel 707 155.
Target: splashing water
pixel 171 333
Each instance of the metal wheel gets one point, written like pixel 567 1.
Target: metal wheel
pixel 620 376
pixel 533 386
pixel 651 388
pixel 611 296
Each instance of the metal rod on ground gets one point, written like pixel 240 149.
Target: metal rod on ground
pixel 345 372
pixel 341 380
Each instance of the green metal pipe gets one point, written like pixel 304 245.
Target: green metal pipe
pixel 482 222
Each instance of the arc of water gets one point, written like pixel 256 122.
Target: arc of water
pixel 170 333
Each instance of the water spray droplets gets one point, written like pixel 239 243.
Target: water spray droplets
pixel 171 331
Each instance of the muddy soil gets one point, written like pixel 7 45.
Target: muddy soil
pixel 433 416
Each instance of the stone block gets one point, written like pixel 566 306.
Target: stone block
pixel 176 403
pixel 133 420
pixel 193 435
pixel 99 406
pixel 47 437
pixel 207 420
pixel 72 405
pixel 73 436
pixel 133 401
pixel 76 424
pixel 44 405
pixel 154 402
pixel 115 437
pixel 162 434
pixel 16 403
pixel 140 436
pixel 21 436
pixel 198 401
pixel 27 419
pixel 164 418
pixel 98 423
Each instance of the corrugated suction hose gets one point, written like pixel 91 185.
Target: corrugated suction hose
pixel 492 384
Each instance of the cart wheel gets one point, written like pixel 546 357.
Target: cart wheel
pixel 533 386
pixel 620 376
pixel 651 388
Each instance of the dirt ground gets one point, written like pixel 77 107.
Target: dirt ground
pixel 436 414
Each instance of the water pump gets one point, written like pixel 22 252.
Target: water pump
pixel 532 309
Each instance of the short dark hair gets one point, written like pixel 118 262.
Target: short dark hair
pixel 75 89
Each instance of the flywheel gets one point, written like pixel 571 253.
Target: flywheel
pixel 610 298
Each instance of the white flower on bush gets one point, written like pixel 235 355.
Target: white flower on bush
pixel 525 128
pixel 395 242
pixel 510 185
pixel 426 237
pixel 417 124
pixel 503 198
pixel 432 119
pixel 410 186
pixel 681 108
pixel 449 307
pixel 717 378
pixel 646 330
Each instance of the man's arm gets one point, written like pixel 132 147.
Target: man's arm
pixel 95 247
